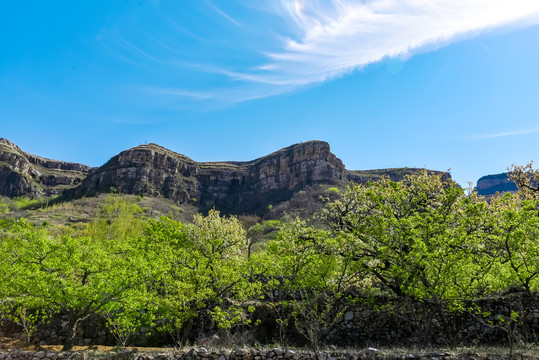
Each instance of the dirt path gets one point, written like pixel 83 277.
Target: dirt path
pixel 16 344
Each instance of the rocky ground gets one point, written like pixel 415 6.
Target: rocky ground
pixel 8 345
pixel 14 349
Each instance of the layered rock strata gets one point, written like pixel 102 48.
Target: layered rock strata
pixel 229 186
pixel 394 174
pixel 23 174
pixel 491 184
pixel 152 170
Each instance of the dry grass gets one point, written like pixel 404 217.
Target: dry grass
pixel 8 344
pixel 83 210
pixel 217 345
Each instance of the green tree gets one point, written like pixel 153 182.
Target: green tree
pixel 526 178
pixel 118 218
pixel 514 241
pixel 4 208
pixel 79 276
pixel 310 273
pixel 260 233
pixel 411 237
pixel 20 275
pixel 206 272
pixel 174 312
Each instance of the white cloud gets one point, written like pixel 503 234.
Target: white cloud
pixel 304 42
pixel 179 93
pixel 225 15
pixel 332 37
pixel 503 134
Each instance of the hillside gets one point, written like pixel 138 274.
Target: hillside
pixel 297 174
pixel 491 184
pixel 23 174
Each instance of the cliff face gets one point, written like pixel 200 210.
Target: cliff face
pixel 146 170
pixel 396 174
pixel 490 184
pixel 268 180
pixel 229 186
pixel 152 170
pixel 23 174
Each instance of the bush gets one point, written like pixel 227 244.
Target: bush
pixel 333 191
pixel 4 208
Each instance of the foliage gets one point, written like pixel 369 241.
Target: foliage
pixel 260 233
pixel 421 240
pixel 411 237
pixel 312 275
pixel 513 240
pixel 118 218
pixel 4 208
pixel 526 178
pixel 22 202
pixel 81 276
pixel 204 273
pixel 333 190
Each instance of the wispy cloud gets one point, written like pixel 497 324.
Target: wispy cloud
pixel 502 134
pixel 181 93
pixel 280 46
pixel 178 27
pixel 225 15
pixel 218 99
pixel 331 37
pixel 118 55
pixel 137 50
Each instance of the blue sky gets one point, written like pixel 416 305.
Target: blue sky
pixel 388 83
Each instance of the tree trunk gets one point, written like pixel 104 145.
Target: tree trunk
pixel 71 333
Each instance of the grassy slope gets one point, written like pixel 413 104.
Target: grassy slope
pixel 84 209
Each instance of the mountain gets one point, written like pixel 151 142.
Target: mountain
pixel 490 184
pixel 395 174
pixel 233 187
pixel 23 174
pixel 154 171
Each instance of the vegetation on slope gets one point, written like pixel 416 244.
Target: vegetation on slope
pixel 421 241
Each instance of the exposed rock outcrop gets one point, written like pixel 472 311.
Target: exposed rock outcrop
pixel 152 170
pixel 23 174
pixel 490 184
pixel 395 174
pixel 269 180
pixel 229 186
pixel 148 170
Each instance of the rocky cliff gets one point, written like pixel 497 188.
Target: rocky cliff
pixel 395 174
pixel 148 170
pixel 23 174
pixel 271 179
pixel 229 186
pixel 490 184
pixel 152 170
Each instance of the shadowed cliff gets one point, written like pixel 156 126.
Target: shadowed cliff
pixel 154 171
pixel 232 187
pixel 23 174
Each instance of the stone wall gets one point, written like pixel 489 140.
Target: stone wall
pixel 237 353
pixel 195 354
pixel 382 322
pixel 391 321
pixel 92 331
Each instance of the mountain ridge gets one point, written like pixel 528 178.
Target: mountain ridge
pixel 493 183
pixel 25 174
pixel 153 170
